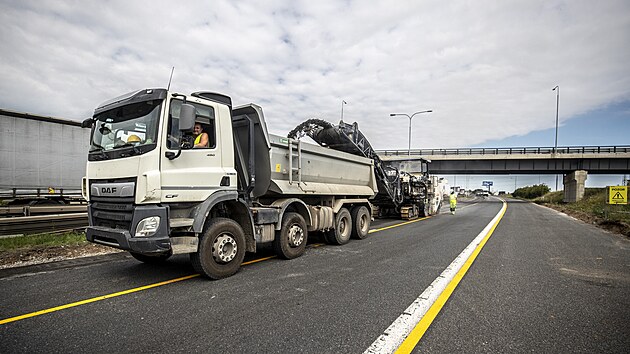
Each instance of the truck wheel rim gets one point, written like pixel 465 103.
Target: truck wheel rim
pixel 343 227
pixel 224 248
pixel 296 236
pixel 364 223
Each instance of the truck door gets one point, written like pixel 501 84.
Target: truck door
pixel 198 171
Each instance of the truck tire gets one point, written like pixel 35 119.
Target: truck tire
pixel 426 210
pixel 340 234
pixel 290 241
pixel 361 220
pixel 221 249
pixel 156 259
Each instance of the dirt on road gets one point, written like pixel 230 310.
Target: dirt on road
pixel 45 254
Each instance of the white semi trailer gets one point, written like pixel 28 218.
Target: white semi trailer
pixel 153 195
pixel 42 159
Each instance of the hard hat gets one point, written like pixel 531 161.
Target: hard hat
pixel 133 139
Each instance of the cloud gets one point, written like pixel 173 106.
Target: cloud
pixel 486 68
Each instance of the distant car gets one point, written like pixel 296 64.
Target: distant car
pixel 485 194
pixel 501 192
pixel 461 193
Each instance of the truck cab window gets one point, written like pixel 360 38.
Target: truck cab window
pixel 125 131
pixel 205 128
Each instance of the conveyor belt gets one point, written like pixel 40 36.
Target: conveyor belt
pixel 348 138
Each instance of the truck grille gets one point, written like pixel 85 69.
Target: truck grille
pixel 112 215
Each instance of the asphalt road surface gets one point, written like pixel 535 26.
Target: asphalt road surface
pixel 543 282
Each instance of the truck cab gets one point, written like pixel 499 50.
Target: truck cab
pixel 145 181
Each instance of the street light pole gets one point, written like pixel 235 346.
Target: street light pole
pixel 555 145
pixel 410 117
pixel 342 103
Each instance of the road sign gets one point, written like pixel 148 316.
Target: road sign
pixel 617 195
pixel 486 183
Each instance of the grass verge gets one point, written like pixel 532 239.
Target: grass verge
pixel 593 208
pixel 42 240
pixel 43 248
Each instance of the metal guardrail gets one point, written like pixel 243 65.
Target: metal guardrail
pixel 11 192
pixel 25 225
pixel 28 210
pixel 510 151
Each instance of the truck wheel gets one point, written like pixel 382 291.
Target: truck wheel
pixel 150 259
pixel 340 234
pixel 426 211
pixel 221 249
pixel 290 241
pixel 361 222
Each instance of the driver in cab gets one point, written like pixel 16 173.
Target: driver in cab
pixel 200 137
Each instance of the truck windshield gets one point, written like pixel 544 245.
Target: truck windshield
pixel 125 131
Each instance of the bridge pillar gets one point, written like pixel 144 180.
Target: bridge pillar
pixel 574 186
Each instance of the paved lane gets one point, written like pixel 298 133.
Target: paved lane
pixel 543 283
pixel 330 300
pixel 333 299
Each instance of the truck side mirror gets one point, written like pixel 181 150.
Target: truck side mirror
pixel 87 123
pixel 187 115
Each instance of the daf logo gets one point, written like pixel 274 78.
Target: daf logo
pixel 121 189
pixel 108 190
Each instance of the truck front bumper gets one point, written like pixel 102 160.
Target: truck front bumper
pixel 122 239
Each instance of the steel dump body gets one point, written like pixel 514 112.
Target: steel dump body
pixel 318 170
pixel 305 169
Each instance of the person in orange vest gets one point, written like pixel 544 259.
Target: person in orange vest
pixel 453 199
pixel 201 137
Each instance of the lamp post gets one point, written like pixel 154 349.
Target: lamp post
pixel 515 180
pixel 555 145
pixel 343 102
pixel 410 117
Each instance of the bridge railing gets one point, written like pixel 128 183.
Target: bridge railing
pixel 510 151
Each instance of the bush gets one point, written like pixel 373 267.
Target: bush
pixel 551 197
pixel 531 192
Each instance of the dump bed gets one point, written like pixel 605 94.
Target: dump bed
pixel 317 170
pixel 274 165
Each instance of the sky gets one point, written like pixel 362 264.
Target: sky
pixel 485 68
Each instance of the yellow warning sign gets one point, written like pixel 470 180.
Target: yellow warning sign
pixel 617 195
pixel 278 167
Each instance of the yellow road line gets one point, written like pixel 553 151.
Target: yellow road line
pixel 94 299
pixel 416 334
pixel 109 296
pixel 155 285
pixel 397 225
pixel 258 260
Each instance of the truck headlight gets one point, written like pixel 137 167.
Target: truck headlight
pixel 147 226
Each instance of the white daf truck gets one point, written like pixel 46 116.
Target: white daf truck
pixel 152 194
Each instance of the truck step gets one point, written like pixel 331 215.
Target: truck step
pixel 181 222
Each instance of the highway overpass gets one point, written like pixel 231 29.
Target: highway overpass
pixel 574 162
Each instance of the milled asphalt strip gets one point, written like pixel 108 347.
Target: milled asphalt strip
pixel 406 331
pixel 150 286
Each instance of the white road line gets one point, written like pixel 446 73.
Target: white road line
pixel 396 333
